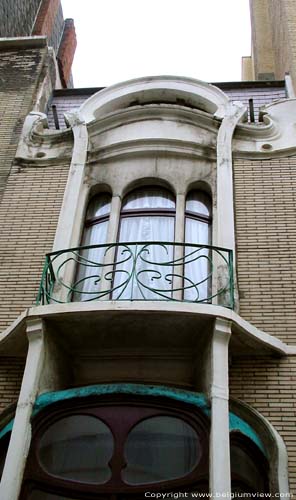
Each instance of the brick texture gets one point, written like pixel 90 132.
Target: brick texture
pixel 50 21
pixel 20 70
pixel 283 24
pixel 67 50
pixel 28 218
pixel 11 373
pixel 265 207
pixel 267 385
pixel 17 17
pixel 262 43
pixel 274 37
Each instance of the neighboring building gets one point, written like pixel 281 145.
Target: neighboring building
pixel 22 18
pixel 155 354
pixel 273 41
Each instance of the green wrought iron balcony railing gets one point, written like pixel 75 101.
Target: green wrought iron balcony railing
pixel 139 271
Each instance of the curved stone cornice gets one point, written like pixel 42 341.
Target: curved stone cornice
pixel 147 146
pixel 153 128
pixel 276 136
pixel 161 111
pixel 170 89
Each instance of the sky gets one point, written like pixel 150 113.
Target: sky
pixel 118 40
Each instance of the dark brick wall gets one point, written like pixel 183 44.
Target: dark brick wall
pixel 19 70
pixel 17 17
pixel 11 373
pixel 57 29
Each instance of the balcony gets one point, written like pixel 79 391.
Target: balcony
pixel 154 271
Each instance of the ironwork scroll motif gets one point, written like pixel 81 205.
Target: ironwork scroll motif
pixel 139 271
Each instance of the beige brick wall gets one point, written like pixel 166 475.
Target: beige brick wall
pixel 274 37
pixel 290 29
pixel 11 372
pixel 28 218
pixel 262 47
pixel 268 384
pixel 265 207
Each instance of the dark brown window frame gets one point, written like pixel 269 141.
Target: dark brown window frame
pixel 37 478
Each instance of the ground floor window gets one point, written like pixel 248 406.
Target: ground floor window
pixel 116 449
pixel 119 447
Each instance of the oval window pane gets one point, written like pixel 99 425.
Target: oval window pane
pixel 149 198
pixel 77 448
pixel 198 203
pixel 245 467
pixel 159 449
pixel 99 205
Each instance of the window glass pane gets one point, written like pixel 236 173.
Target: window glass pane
pixel 199 203
pixel 149 198
pixel 197 269
pixel 144 271
pixel 245 468
pixel 2 462
pixel 90 261
pixel 160 449
pixel 99 205
pixel 79 448
pixel 157 228
pixel 4 443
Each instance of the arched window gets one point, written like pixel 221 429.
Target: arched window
pixel 119 447
pixel 143 271
pixel 88 278
pixel 116 450
pixel 148 215
pixel 198 218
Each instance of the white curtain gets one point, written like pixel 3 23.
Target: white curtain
pixel 87 281
pixel 152 269
pixel 146 267
pixel 197 282
pixel 90 261
pixel 149 198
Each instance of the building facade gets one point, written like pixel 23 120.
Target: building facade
pixel 148 294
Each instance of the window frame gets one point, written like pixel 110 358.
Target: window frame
pixel 36 477
pixel 257 457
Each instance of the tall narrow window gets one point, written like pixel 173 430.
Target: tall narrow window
pixel 197 272
pixel 143 271
pixel 91 260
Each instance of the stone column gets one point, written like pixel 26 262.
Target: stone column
pixel 21 432
pixel 112 234
pixel 179 250
pixel 224 235
pixel 220 478
pixel 68 231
